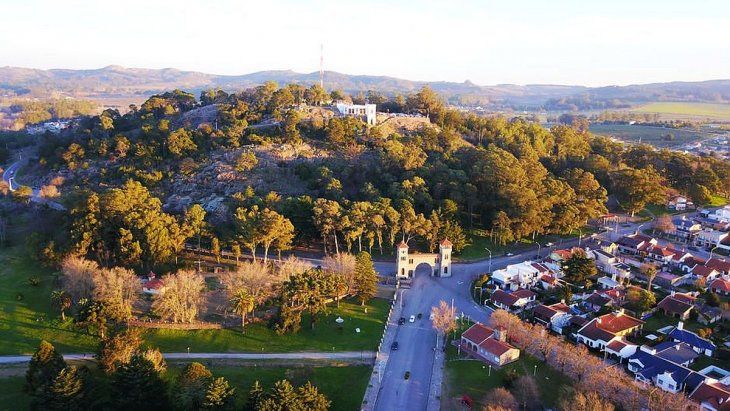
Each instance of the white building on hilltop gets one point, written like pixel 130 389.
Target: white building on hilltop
pixel 366 112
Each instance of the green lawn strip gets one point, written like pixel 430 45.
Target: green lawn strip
pixel 470 377
pixel 686 109
pixel 12 396
pixel 327 335
pixel 717 201
pixel 344 386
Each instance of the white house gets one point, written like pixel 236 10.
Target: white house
pixel 710 238
pixel 522 275
pixel 367 112
pixel 721 215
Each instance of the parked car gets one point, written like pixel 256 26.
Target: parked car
pixel 394 346
pixel 407 375
pixel 401 321
pixel 412 319
pixel 509 254
pixel 419 316
pixel 549 244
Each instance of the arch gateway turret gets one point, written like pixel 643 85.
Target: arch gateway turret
pixel 440 263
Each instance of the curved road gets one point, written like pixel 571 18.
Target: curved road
pixel 9 177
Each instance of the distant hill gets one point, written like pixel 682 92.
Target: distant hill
pixel 116 83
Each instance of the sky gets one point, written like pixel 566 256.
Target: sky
pixel 586 42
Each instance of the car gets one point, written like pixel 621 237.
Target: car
pixel 549 244
pixel 510 254
pixel 412 319
pixel 401 321
pixel 407 375
pixel 419 316
pixel 394 346
pixel 430 317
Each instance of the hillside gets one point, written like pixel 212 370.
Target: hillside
pixel 115 85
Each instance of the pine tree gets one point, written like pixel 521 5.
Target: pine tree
pixel 366 280
pixel 191 385
pixel 44 366
pixel 311 399
pixel 68 391
pixel 255 396
pixel 138 386
pixel 220 395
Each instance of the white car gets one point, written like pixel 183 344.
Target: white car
pixel 549 244
pixel 412 319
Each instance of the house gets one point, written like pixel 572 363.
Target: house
pixel 635 244
pixel 152 285
pixel 699 344
pixel 685 228
pixel 720 214
pixel 651 368
pixel 709 238
pixel 555 316
pixel 521 275
pixel 488 345
pixel 707 273
pixel 366 112
pixel 721 286
pixel 621 348
pixel 668 280
pixel 662 255
pixel 514 301
pixel 679 203
pixel 707 314
pixel 719 264
pixel 608 283
pixel 597 301
pixel 691 263
pixel 678 353
pixel 712 396
pixel 610 264
pixel 600 331
pixel 548 281
pixel 677 305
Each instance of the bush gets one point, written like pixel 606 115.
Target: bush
pixel 34 281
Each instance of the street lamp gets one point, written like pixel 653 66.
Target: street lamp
pixel 489 372
pixel 534 370
pixel 711 250
pixel 490 259
pixel 538 249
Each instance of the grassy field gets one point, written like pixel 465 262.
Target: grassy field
pixel 683 110
pixel 470 377
pixel 344 386
pixel 655 136
pixel 26 318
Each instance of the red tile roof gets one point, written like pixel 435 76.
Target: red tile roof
pixel 155 284
pixel 402 245
pixel 446 243
pixel 673 305
pixel 721 284
pixel 617 345
pixel 560 307
pixel 477 333
pixel 704 271
pixel 607 326
pixel 719 265
pixel 548 279
pixel 715 394
pixel 496 347
pixel 524 293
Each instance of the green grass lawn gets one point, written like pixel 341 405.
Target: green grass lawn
pixel 682 109
pixel 25 322
pixel 471 377
pixel 326 336
pixel 12 396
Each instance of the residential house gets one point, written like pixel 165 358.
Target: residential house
pixel 721 286
pixel 621 348
pixel 600 331
pixel 513 301
pixel 488 345
pixel 610 264
pixel 720 215
pixel 651 368
pixel 679 203
pixel 635 244
pixel 556 316
pixel 712 395
pixel 707 314
pixel 709 274
pixel 685 228
pixel 548 282
pixel 699 344
pixel 662 255
pixel 597 301
pixel 677 305
pixel 521 275
pixel 709 238
pixel 152 285
pixel 608 283
pixel 719 264
pixel 668 280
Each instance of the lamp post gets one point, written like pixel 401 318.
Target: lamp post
pixel 490 259
pixel 711 250
pixel 489 372
pixel 534 370
pixel 538 249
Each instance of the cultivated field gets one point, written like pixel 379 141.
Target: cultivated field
pixel 679 110
pixel 656 136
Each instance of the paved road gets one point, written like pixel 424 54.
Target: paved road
pixel 9 177
pixel 342 355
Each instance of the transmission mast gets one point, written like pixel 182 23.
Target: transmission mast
pixel 321 65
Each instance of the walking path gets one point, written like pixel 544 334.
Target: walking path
pixel 437 377
pixel 344 355
pixel 381 358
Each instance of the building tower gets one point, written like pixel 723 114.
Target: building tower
pixel 401 264
pixel 445 258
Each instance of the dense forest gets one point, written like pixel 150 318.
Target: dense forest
pixel 342 184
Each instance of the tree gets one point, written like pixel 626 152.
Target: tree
pixel 78 277
pixel 578 268
pixel 664 224
pixel 137 385
pixel 23 194
pixel 246 161
pixel 49 191
pixel 61 301
pixel 118 349
pixel 118 289
pixel 650 273
pixel 219 395
pixel 236 250
pixel 635 188
pixel 589 401
pixel 44 365
pixel 69 390
pixel 274 228
pixel 180 143
pixel 365 278
pixel 444 318
pixel 191 386
pixel 242 303
pixel 327 215
pixel 501 397
pixel 182 297
pixel 527 392
pixel 283 396
pixel 215 248
pixel 255 395
pixel 639 300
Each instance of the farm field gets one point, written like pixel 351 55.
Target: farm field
pixel 682 110
pixel 656 136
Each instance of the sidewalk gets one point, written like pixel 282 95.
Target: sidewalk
pixel 437 377
pixel 344 355
pixel 381 358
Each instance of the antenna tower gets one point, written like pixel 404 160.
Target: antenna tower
pixel 321 65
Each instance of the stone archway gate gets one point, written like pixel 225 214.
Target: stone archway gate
pixel 440 262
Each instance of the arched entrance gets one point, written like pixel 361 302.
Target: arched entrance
pixel 423 268
pixel 440 263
